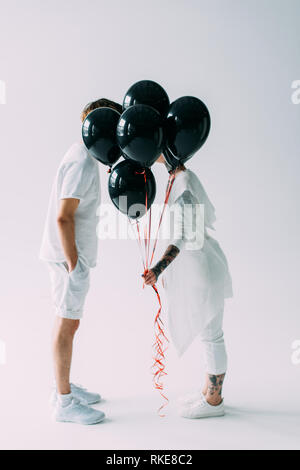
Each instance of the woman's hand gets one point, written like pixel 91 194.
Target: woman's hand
pixel 150 278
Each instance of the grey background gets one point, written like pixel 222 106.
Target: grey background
pixel 241 58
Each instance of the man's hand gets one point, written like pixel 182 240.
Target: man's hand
pixel 72 263
pixel 66 227
pixel 150 278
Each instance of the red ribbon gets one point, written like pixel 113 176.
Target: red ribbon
pixel 159 358
pixel 161 341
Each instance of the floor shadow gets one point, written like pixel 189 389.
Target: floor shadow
pixel 280 422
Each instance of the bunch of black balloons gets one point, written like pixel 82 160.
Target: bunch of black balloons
pixel 148 127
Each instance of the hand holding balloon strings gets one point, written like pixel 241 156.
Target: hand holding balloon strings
pixel 152 274
pixel 160 337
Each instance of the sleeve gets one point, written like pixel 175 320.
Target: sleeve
pixel 188 223
pixel 76 180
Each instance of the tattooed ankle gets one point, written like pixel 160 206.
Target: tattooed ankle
pixel 215 384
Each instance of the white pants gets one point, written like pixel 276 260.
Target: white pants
pixel 196 288
pixel 212 340
pixel 69 290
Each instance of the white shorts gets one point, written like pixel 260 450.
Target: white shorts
pixel 69 290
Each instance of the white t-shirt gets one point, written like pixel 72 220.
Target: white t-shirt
pixel 77 177
pixel 193 213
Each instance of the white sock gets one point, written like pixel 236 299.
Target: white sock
pixel 64 400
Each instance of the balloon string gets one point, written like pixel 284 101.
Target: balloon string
pixel 149 232
pixel 160 337
pixel 142 171
pixel 146 238
pixel 168 192
pixel 140 243
pixel 159 357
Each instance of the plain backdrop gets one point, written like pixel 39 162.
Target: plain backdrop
pixel 240 57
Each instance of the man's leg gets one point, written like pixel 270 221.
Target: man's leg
pixel 68 409
pixel 69 290
pixel 64 332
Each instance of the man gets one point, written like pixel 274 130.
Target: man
pixel 69 248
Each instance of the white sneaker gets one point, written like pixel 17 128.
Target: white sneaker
pixel 83 395
pixel 190 398
pixel 77 413
pixel 202 409
pixel 86 398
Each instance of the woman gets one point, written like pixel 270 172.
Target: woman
pixel 196 283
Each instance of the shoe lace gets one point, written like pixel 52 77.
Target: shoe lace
pixel 76 401
pixel 202 401
pixel 79 387
pixel 80 404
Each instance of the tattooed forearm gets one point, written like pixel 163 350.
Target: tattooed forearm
pixel 215 384
pixel 170 254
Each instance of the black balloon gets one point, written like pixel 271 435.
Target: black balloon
pixel 99 135
pixel 150 93
pixel 140 134
pixel 129 185
pixel 187 127
pixel 170 159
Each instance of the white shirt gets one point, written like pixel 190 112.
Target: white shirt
pixel 77 177
pixel 189 229
pixel 193 213
pixel 198 280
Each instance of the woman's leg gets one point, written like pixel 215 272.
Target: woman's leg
pixel 213 389
pixel 205 386
pixel 215 357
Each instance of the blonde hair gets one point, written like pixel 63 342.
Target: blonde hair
pixel 101 103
